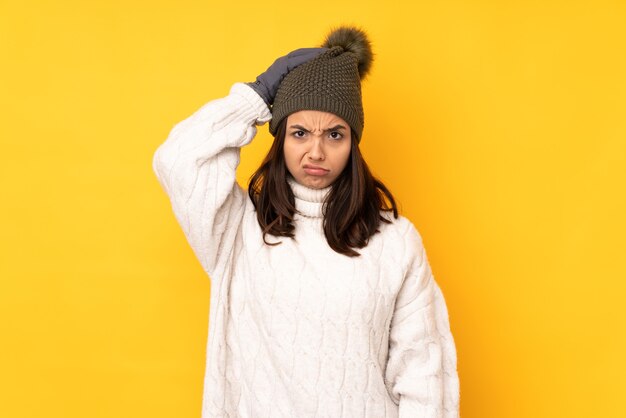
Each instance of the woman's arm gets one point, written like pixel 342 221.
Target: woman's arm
pixel 421 370
pixel 196 167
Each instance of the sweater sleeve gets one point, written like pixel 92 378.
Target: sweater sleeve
pixel 196 167
pixel 421 368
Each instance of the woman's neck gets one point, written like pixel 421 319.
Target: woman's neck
pixel 309 201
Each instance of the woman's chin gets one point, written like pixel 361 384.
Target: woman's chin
pixel 315 182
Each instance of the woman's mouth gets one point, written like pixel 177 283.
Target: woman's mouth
pixel 315 171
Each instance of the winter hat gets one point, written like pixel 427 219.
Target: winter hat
pixel 330 82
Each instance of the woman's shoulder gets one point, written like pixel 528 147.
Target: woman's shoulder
pixel 401 230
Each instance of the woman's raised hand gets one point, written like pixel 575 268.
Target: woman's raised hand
pixel 267 83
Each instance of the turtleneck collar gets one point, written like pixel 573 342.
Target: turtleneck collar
pixel 309 202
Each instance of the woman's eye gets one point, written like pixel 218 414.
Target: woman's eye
pixel 297 134
pixel 339 136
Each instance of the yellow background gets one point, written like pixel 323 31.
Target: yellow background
pixel 499 126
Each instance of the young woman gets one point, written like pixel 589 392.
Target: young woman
pixel 323 303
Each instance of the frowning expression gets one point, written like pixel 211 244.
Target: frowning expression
pixel 317 147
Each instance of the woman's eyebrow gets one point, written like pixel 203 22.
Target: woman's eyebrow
pixel 334 128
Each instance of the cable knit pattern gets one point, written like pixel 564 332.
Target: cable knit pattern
pixel 296 329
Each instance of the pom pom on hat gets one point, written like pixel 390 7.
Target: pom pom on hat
pixel 355 40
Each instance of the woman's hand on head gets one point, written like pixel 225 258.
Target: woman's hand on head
pixel 267 83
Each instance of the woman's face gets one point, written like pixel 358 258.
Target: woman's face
pixel 317 147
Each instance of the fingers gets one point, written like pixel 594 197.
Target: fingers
pixel 305 51
pixel 304 55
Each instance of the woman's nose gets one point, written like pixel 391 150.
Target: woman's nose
pixel 316 152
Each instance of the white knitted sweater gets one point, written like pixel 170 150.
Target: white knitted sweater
pixel 296 329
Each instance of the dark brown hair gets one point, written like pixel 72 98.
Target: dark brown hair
pixel 352 210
